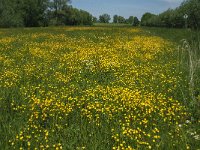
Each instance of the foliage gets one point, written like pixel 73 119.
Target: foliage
pixel 105 18
pixel 130 20
pixel 186 15
pixel 135 21
pixel 146 19
pixel 34 13
pixel 94 19
pixel 58 6
pixel 192 9
pixel 10 14
pixel 121 19
pixel 115 19
pixel 73 16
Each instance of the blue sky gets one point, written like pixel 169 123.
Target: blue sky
pixel 125 8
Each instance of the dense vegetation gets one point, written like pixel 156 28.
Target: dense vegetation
pixel 186 15
pixel 131 20
pixel 34 13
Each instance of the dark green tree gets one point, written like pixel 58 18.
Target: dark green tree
pixel 191 8
pixel 34 12
pixel 115 19
pixel 130 20
pixel 186 15
pixel 11 13
pixel 58 6
pixel 105 18
pixel 135 21
pixel 94 19
pixel 73 16
pixel 146 18
pixel 121 19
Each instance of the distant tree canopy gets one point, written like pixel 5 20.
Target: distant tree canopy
pixel 70 16
pixel 118 19
pixel 121 19
pixel 186 15
pixel 105 18
pixel 136 21
pixel 34 13
pixel 146 18
pixel 192 9
pixel 115 19
pixel 131 20
pixel 94 19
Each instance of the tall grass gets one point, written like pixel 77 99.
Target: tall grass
pixel 189 63
pixel 189 60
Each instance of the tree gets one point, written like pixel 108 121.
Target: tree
pixel 105 18
pixel 177 19
pixel 57 6
pixel 73 16
pixel 118 19
pixel 130 20
pixel 15 13
pixel 121 19
pixel 94 19
pixel 115 19
pixel 34 12
pixel 192 9
pixel 188 14
pixel 85 17
pixel 146 19
pixel 135 21
pixel 10 14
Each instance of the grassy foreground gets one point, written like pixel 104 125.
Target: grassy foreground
pixel 97 88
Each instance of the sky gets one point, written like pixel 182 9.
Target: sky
pixel 125 8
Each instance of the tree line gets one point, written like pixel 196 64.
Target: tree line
pixel 186 15
pixel 105 18
pixel 34 13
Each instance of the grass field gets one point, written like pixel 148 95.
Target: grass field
pixel 99 88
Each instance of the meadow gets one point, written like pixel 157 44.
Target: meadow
pixel 96 88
